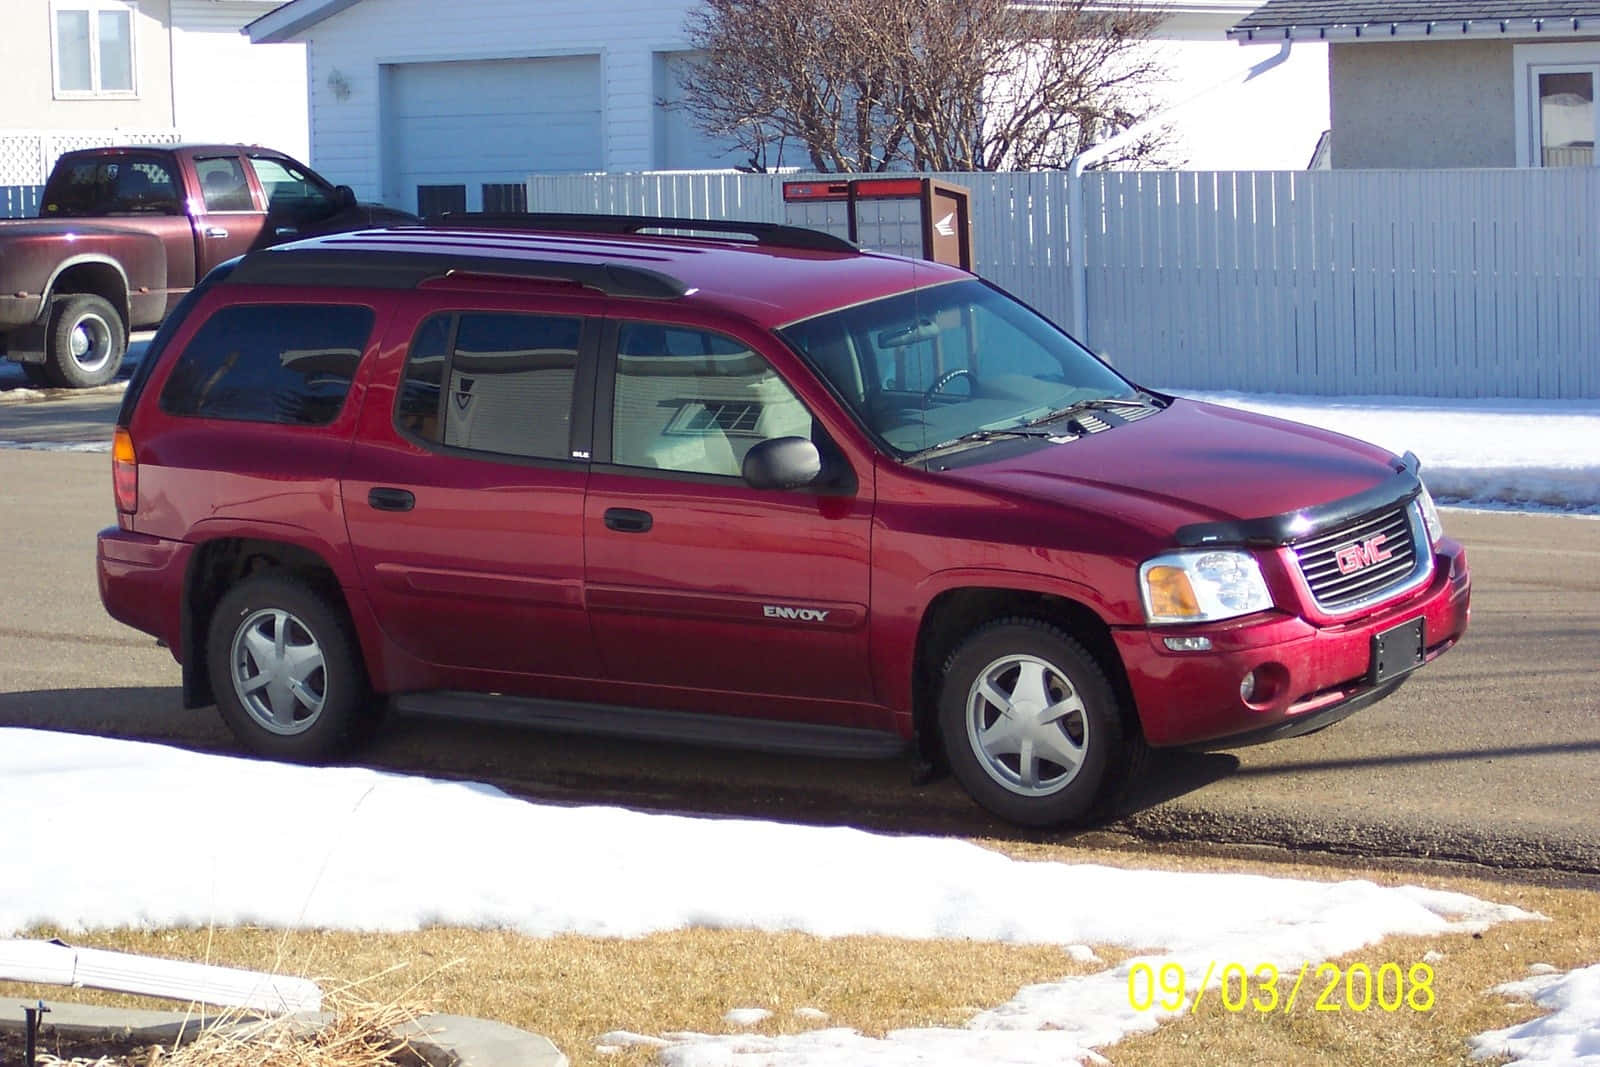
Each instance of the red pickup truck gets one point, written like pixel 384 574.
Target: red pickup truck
pixel 124 233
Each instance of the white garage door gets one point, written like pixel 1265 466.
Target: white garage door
pixel 464 136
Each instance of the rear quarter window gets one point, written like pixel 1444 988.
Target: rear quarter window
pixel 290 364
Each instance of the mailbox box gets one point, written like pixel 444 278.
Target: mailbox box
pixel 920 217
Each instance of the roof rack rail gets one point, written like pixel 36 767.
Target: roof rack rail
pixel 408 269
pixel 774 234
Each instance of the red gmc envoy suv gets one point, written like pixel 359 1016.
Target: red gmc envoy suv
pixel 739 483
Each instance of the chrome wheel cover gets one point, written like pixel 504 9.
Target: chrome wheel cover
pixel 1027 725
pixel 278 672
pixel 90 344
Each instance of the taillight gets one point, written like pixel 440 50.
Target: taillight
pixel 124 472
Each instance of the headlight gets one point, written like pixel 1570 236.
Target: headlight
pixel 1430 516
pixel 1202 586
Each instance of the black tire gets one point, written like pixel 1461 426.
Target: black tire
pixel 37 375
pixel 1008 653
pixel 321 704
pixel 85 342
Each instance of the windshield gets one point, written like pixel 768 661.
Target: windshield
pixel 927 367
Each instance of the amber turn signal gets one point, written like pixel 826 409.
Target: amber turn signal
pixel 124 472
pixel 1171 595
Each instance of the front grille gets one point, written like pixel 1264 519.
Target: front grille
pixel 1350 565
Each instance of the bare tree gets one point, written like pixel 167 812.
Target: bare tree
pixel 871 85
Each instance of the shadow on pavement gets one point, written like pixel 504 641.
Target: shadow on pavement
pixel 1460 755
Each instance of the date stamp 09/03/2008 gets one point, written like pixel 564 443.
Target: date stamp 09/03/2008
pixel 1263 989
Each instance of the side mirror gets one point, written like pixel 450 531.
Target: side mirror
pixel 782 463
pixel 344 197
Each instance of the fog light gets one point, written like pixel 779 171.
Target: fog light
pixel 1247 687
pixel 1188 644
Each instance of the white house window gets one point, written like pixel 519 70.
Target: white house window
pixel 1566 118
pixel 93 45
pixel 1557 121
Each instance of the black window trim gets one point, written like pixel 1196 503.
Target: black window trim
pixel 580 421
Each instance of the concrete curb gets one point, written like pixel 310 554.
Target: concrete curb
pixel 438 1040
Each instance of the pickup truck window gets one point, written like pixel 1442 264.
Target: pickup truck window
pixel 125 185
pixel 285 363
pixel 223 184
pixel 291 191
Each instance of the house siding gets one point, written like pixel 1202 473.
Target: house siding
pixel 1422 104
pixel 351 49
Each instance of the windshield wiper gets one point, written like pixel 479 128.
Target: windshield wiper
pixel 1090 405
pixel 989 435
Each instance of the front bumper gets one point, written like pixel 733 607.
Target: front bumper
pixel 1309 675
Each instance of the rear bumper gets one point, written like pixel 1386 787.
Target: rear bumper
pixel 141 582
pixel 1310 675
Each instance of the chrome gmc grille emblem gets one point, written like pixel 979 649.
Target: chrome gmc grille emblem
pixel 1359 555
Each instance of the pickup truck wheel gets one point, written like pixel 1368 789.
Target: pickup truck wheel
pixel 1030 724
pixel 36 375
pixel 86 341
pixel 285 670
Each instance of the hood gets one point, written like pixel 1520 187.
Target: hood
pixel 1191 463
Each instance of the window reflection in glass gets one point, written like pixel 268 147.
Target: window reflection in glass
pixel 494 383
pixel 290 364
pixel 1566 119
pixel 928 366
pixel 696 402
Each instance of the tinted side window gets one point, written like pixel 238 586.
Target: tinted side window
pixel 490 382
pixel 282 363
pixel 124 185
pixel 692 401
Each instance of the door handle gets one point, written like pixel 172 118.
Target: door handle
pixel 216 231
pixel 285 231
pixel 627 520
pixel 383 499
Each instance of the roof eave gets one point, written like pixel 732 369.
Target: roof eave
pixel 1443 29
pixel 287 22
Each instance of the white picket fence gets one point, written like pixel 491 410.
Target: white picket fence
pixel 1423 283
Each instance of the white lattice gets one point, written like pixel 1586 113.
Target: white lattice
pixel 26 156
pixel 19 158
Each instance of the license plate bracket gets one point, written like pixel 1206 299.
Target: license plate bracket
pixel 1396 651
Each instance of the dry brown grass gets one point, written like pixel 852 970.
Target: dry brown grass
pixel 574 989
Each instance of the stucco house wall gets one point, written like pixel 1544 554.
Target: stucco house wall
pixel 1444 85
pixel 27 81
pixel 1412 104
